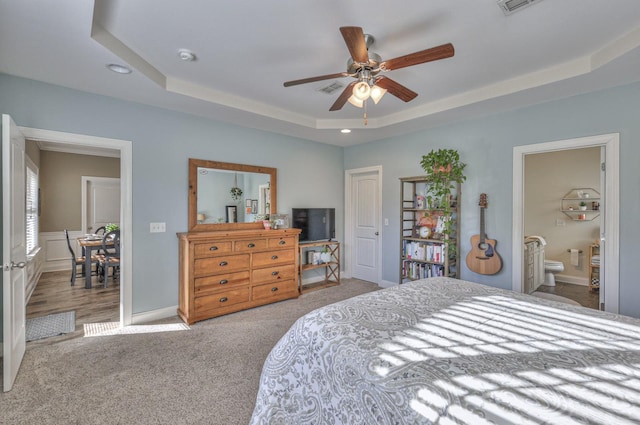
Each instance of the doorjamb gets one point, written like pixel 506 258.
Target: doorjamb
pixel 611 234
pixel 126 200
pixel 348 212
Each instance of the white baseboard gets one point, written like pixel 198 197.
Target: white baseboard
pixel 150 316
pixel 387 284
pixel 572 279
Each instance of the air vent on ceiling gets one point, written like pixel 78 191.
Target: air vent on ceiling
pixel 335 86
pixel 511 6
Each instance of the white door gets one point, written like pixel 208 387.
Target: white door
pixel 100 202
pixel 14 254
pixel 365 222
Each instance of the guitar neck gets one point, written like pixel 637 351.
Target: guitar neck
pixel 482 235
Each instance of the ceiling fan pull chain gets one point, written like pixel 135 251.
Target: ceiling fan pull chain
pixel 365 112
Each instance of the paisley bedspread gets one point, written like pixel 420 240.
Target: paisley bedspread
pixel 446 351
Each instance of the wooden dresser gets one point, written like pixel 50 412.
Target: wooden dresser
pixel 222 272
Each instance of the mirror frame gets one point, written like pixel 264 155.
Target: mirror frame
pixel 194 226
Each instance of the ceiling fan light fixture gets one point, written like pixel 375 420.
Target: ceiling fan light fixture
pixel 362 91
pixel 377 93
pixel 358 103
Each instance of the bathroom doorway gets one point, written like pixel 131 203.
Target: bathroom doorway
pixel 609 211
pixel 555 185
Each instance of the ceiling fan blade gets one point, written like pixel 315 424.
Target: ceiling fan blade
pixel 396 89
pixel 312 79
pixel 354 38
pixel 433 54
pixel 344 96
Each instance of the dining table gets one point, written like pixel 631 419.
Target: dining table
pixel 89 244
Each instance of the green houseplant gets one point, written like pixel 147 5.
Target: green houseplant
pixel 443 170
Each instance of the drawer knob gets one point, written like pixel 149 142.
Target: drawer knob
pixel 213 248
pixel 223 263
pixel 223 281
pixel 274 289
pixel 282 242
pixel 251 245
pixel 274 257
pixel 274 273
pixel 223 299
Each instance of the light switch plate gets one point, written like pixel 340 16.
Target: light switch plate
pixel 157 227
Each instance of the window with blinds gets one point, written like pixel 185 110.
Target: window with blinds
pixel 32 207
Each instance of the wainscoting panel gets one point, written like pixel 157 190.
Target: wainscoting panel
pixel 55 252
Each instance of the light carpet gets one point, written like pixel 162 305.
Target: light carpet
pixel 208 375
pixel 51 325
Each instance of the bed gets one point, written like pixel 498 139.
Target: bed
pixel 447 351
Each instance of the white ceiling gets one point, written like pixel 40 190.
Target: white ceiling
pixel 246 50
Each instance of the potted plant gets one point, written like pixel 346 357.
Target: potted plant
pixel 583 206
pixel 444 171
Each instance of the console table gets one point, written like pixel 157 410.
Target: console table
pixel 331 265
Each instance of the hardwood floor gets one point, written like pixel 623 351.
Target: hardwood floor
pixel 54 294
pixel 579 293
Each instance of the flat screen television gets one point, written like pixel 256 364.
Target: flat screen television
pixel 317 224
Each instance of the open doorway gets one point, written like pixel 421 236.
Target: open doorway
pixel 609 207
pixel 74 205
pixel 69 142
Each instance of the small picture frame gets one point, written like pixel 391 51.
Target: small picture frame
pixel 232 214
pixel 254 206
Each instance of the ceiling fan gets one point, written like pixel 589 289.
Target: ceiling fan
pixel 365 67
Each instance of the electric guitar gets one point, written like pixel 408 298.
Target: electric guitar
pixel 483 257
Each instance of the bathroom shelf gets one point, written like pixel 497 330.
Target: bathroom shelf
pixel 570 204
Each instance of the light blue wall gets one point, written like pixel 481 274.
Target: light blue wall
pixel 162 142
pixel 311 174
pixel 487 146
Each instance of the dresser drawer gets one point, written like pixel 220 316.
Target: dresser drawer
pixel 268 258
pixel 282 242
pixel 249 245
pixel 277 290
pixel 221 282
pixel 219 265
pixel 210 249
pixel 222 299
pixel 270 274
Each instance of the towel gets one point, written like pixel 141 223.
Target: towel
pixel 540 239
pixel 575 257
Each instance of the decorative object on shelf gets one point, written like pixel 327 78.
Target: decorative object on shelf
pixel 425 232
pixel 325 256
pixel 201 218
pixel 236 192
pixel 443 170
pixel 583 206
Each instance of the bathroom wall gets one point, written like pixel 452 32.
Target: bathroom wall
pixel 548 177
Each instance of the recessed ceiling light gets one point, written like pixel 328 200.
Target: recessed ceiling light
pixel 120 69
pixel 345 131
pixel 186 55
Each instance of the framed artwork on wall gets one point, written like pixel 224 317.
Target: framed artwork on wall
pixel 232 214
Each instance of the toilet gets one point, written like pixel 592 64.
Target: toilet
pixel 551 267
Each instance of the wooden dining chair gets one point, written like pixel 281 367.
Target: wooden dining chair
pixel 110 256
pixel 77 260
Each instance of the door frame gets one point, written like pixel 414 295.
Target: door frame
pixel 124 147
pixel 349 211
pixel 610 224
pixel 84 199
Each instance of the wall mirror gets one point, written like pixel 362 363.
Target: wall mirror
pixel 227 196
